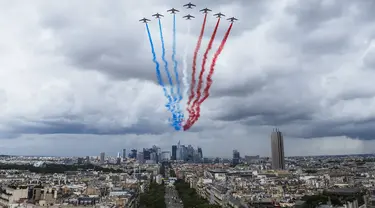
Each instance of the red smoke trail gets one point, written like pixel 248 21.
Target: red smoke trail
pixel 209 77
pixel 192 112
pixel 192 84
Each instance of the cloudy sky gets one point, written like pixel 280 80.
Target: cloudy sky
pixel 77 78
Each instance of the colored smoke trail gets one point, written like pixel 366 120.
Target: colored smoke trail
pixel 157 65
pixel 171 97
pixel 209 77
pixel 165 61
pixel 180 114
pixel 193 115
pixel 184 69
pixel 192 84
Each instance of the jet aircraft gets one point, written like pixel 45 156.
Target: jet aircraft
pixel 218 15
pixel 157 15
pixel 232 19
pixel 205 10
pixel 173 11
pixel 188 17
pixel 144 20
pixel 189 5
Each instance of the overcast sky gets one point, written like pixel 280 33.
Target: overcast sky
pixel 77 78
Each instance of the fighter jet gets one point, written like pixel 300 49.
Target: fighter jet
pixel 173 11
pixel 232 19
pixel 188 17
pixel 218 15
pixel 144 20
pixel 189 5
pixel 157 15
pixel 205 10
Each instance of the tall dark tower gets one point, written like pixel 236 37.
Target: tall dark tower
pixel 200 153
pixel 174 152
pixel 236 157
pixel 277 149
pixel 124 154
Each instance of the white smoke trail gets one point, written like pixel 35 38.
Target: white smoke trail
pixel 184 69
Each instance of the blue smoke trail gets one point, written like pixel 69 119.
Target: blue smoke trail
pixel 176 123
pixel 158 75
pixel 181 115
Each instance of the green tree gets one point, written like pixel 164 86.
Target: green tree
pixel 57 168
pixel 154 197
pixel 189 196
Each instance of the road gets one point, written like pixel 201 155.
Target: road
pixel 171 198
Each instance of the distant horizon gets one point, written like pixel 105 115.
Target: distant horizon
pixel 209 157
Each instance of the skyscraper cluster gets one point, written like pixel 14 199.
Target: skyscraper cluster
pixel 150 155
pixel 186 153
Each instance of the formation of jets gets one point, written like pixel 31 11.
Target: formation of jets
pixel 144 20
pixel 205 10
pixel 218 15
pixel 232 19
pixel 189 5
pixel 188 17
pixel 157 15
pixel 173 11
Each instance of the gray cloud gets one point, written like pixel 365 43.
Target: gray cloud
pixel 306 68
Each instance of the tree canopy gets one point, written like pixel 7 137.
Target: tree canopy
pixel 189 196
pixel 154 197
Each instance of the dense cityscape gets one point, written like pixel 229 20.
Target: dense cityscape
pixel 183 177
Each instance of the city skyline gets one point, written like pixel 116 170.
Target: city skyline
pixel 73 85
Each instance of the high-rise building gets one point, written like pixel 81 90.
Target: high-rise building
pixel 123 154
pixel 133 154
pixel 277 149
pixel 154 157
pixel 236 157
pixel 200 152
pixel 118 159
pixel 179 151
pixel 165 156
pixel 102 157
pixel 147 154
pixel 140 157
pixel 174 152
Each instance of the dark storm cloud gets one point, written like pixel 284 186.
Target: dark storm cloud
pixel 326 45
pixel 249 13
pixel 365 9
pixel 107 51
pixel 361 129
pixel 75 125
pixel 112 50
pixel 116 51
pixel 266 114
pixel 238 89
pixel 311 13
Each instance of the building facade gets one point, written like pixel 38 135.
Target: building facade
pixel 277 149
